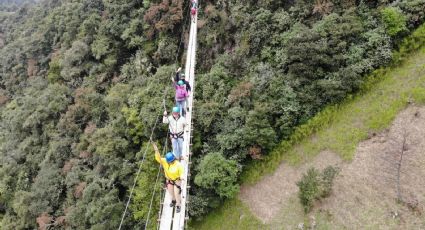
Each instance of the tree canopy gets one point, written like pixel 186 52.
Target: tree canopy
pixel 82 83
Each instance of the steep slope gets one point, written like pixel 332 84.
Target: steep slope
pixel 365 193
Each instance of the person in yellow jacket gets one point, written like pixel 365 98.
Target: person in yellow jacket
pixel 173 170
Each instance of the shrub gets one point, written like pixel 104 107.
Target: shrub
pixel 410 44
pixel 219 174
pixel 315 185
pixel 201 202
pixel 328 176
pixel 309 188
pixel 394 20
pixel 414 11
pixel 53 74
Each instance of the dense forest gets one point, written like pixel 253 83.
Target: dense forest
pixel 13 5
pixel 82 83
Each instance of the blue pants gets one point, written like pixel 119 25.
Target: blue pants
pixel 177 146
pixel 181 105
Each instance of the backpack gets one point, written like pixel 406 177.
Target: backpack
pixel 181 93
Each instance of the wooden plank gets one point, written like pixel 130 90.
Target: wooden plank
pixel 179 225
pixel 167 213
pixel 179 217
pixel 177 222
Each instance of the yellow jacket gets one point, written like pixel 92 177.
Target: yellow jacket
pixel 172 171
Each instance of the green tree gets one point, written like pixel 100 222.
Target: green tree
pixel 395 21
pixel 107 142
pixel 46 190
pixel 218 174
pixel 146 188
pixel 135 130
pixel 98 207
pixel 54 71
pixel 73 63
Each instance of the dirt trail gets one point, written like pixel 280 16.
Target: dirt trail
pixel 365 192
pixel 266 197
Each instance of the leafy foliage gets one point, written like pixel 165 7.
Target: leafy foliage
pixel 315 185
pixel 395 21
pixel 219 174
pixel 82 83
pixel 146 192
pixel 309 188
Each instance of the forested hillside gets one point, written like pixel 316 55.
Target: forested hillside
pixel 13 5
pixel 82 82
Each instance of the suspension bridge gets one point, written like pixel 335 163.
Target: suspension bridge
pixel 169 219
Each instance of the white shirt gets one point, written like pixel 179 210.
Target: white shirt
pixel 176 125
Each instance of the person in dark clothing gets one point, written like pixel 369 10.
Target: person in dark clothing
pixel 180 76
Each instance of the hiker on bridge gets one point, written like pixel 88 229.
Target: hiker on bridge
pixel 173 171
pixel 177 123
pixel 193 9
pixel 180 76
pixel 181 96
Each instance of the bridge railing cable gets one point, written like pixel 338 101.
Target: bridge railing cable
pixel 150 139
pixel 165 148
pixel 137 175
pixel 182 34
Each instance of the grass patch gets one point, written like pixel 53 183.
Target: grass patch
pixel 338 128
pixel 233 214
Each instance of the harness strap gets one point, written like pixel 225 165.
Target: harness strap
pixel 177 135
pixel 173 182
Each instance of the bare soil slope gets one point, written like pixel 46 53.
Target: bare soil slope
pixel 387 166
pixel 366 192
pixel 265 198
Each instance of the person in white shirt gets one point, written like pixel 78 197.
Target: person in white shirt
pixel 177 123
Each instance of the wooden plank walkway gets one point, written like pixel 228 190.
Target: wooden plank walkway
pixel 170 220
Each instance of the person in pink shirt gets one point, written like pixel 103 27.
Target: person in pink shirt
pixel 193 9
pixel 181 96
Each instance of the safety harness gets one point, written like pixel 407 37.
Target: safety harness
pixel 176 135
pixel 173 182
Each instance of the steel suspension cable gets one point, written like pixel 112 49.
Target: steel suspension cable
pixel 176 57
pixel 137 175
pixel 146 148
pixel 157 179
